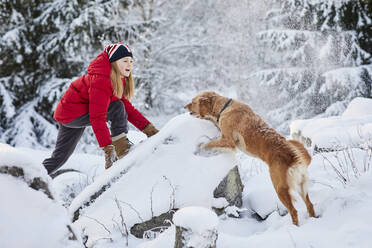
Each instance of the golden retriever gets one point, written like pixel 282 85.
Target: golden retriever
pixel 241 127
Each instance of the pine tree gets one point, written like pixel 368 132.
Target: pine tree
pixel 20 72
pixel 313 60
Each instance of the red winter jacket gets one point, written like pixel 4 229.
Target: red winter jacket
pixel 92 93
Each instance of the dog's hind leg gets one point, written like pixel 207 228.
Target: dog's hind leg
pixel 309 205
pixel 297 181
pixel 298 174
pixel 278 178
pixel 305 197
pixel 286 198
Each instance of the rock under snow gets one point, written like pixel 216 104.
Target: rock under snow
pixel 197 219
pixel 167 171
pixel 260 196
pixel 195 227
pixel 29 215
pixel 149 229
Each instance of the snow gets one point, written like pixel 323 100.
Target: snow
pixel 168 170
pixel 7 102
pixel 158 178
pixel 28 217
pixel 343 218
pixel 277 55
pixel 203 223
pixel 259 195
pixel 10 156
pixel 26 130
pixel 352 128
pixel 12 37
pixel 26 214
pixel 220 202
pixel 359 106
pixel 338 79
pixel 196 218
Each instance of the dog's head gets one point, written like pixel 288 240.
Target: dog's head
pixel 201 106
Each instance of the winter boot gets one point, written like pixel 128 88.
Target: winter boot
pixel 122 145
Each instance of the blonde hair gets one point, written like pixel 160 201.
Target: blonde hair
pixel 117 83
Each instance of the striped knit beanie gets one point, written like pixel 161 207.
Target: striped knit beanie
pixel 118 51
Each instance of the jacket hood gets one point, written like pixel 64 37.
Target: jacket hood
pixel 100 65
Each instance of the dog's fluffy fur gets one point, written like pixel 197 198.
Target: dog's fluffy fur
pixel 241 127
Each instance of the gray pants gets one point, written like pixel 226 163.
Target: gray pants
pixel 70 133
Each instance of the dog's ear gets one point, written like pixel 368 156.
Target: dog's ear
pixel 204 99
pixel 205 106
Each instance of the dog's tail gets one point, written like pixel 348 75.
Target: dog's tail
pixel 297 172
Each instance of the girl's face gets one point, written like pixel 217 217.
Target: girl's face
pixel 125 66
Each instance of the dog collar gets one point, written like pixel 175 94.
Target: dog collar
pixel 223 108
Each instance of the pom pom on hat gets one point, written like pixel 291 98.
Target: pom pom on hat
pixel 118 51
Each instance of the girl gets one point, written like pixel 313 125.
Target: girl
pixel 93 99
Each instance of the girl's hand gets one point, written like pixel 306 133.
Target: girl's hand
pixel 150 130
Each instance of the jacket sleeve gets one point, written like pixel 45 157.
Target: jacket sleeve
pixel 134 116
pixel 99 101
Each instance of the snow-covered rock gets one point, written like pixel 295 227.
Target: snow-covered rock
pixel 165 172
pixel 197 219
pixel 29 215
pixel 352 129
pixel 195 227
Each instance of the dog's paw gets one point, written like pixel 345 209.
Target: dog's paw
pixel 317 216
pixel 201 151
pixel 201 145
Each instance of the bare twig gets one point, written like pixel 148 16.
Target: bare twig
pixel 352 160
pixel 346 165
pixel 367 163
pixel 172 198
pixel 151 202
pixel 338 173
pixel 97 240
pixel 124 231
pixel 100 223
pixel 84 237
pixel 129 205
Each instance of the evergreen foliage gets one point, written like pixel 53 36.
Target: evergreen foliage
pixel 315 58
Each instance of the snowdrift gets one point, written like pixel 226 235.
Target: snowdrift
pixel 167 171
pixel 29 215
pixel 352 129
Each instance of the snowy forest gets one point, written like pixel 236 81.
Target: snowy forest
pixel 288 59
pixel 304 66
